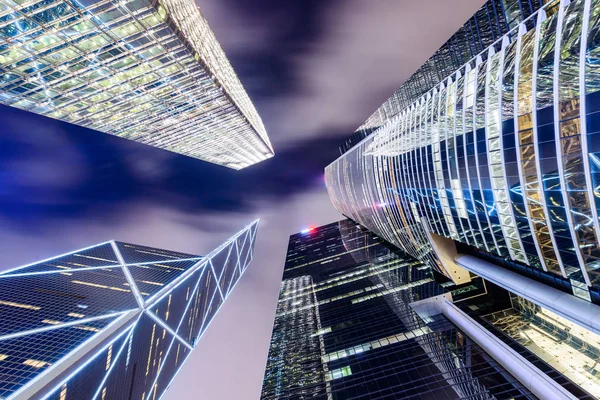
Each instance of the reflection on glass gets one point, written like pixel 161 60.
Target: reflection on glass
pixel 440 132
pixel 570 145
pixel 479 183
pixel 496 161
pixel 565 346
pixel 527 153
pixel 492 157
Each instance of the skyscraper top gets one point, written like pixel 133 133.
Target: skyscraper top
pixel 494 19
pixel 111 321
pixel 146 70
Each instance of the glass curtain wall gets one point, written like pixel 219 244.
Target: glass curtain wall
pixel 502 155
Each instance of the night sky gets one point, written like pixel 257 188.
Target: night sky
pixel 315 71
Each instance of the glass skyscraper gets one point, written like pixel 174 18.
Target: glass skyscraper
pixel 112 321
pixel 500 158
pixel 493 20
pixel 359 319
pixel 484 167
pixel 146 70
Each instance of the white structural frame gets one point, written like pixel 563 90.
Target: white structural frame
pixel 51 379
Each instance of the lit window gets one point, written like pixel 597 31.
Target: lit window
pixel 108 357
pixel 94 258
pixel 153 283
pixel 322 331
pixel 339 373
pixel 101 286
pixel 19 305
pixel 63 392
pixel 35 363
pixel 168 307
pixel 87 328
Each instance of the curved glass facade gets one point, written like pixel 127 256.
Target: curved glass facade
pixel 502 155
pixel 494 19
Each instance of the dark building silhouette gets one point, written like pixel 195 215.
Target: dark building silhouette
pixel 354 321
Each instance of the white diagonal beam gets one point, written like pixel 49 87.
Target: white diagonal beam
pixel 134 289
pixel 53 258
pixel 252 244
pixel 165 290
pixel 183 317
pixel 246 261
pixel 216 279
pixel 226 260
pixel 163 324
pixel 201 263
pixel 202 327
pixel 113 363
pixel 59 326
pixel 58 271
pixel 37 387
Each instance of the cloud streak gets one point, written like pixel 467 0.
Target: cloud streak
pixel 319 68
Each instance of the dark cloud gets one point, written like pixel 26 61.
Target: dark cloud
pixel 265 38
pixel 64 171
pixel 318 66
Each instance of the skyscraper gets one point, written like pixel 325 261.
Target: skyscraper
pixel 498 161
pixel 493 20
pixel 111 321
pixel 359 319
pixel 490 172
pixel 146 70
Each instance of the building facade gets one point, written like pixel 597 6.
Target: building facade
pixel 112 321
pixel 145 70
pixel 500 158
pixel 492 173
pixel 493 20
pixel 357 318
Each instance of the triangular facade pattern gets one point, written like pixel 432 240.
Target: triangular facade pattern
pixel 115 320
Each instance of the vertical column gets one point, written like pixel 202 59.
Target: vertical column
pixel 432 137
pixel 483 155
pixel 470 152
pixel 583 110
pixel 545 143
pixel 439 136
pixel 547 229
pixel 590 78
pixel 391 179
pixel 423 141
pixel 530 174
pixel 458 184
pixel 567 114
pixel 496 155
pixel 403 225
pixel 481 159
pixel 447 151
pixel 524 133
